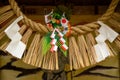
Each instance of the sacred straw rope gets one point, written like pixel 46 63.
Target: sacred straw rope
pixel 50 61
pixel 117 15
pixel 35 26
pixel 39 27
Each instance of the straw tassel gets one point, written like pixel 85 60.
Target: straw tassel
pixel 47 61
pixel 23 29
pixel 40 55
pixel 83 47
pixel 91 51
pixel 50 61
pixel 32 49
pixel 75 57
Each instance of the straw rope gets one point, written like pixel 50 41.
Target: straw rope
pixel 75 30
pixel 81 50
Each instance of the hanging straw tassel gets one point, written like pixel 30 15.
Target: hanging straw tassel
pixel 23 29
pixel 91 51
pixel 47 61
pixel 75 56
pixel 40 55
pixel 35 51
pixel 83 49
pixel 26 36
pixel 50 61
pixel 30 55
pixel 111 50
pixel 25 39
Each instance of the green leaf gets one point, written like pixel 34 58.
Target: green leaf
pixel 46 44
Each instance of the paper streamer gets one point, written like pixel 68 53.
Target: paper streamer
pixel 106 33
pixel 102 51
pixel 13 28
pixel 15 47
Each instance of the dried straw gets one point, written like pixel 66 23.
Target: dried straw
pixel 75 56
pixel 26 36
pixel 47 61
pixel 116 16
pixel 90 40
pixel 40 55
pixel 23 29
pixel 5 9
pixel 30 55
pixel 4 45
pixel 117 41
pixel 4 17
pixel 83 49
pixel 50 61
pixel 2 33
pixel 115 24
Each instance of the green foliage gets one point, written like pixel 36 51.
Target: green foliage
pixel 57 15
pixel 60 9
pixel 46 43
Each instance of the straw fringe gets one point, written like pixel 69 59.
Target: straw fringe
pixel 26 36
pixel 74 55
pixel 90 40
pixel 47 61
pixel 23 29
pixel 30 55
pixel 83 49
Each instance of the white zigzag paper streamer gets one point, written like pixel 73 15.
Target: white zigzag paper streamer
pixel 15 47
pixel 106 33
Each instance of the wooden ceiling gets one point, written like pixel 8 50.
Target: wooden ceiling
pixel 57 2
